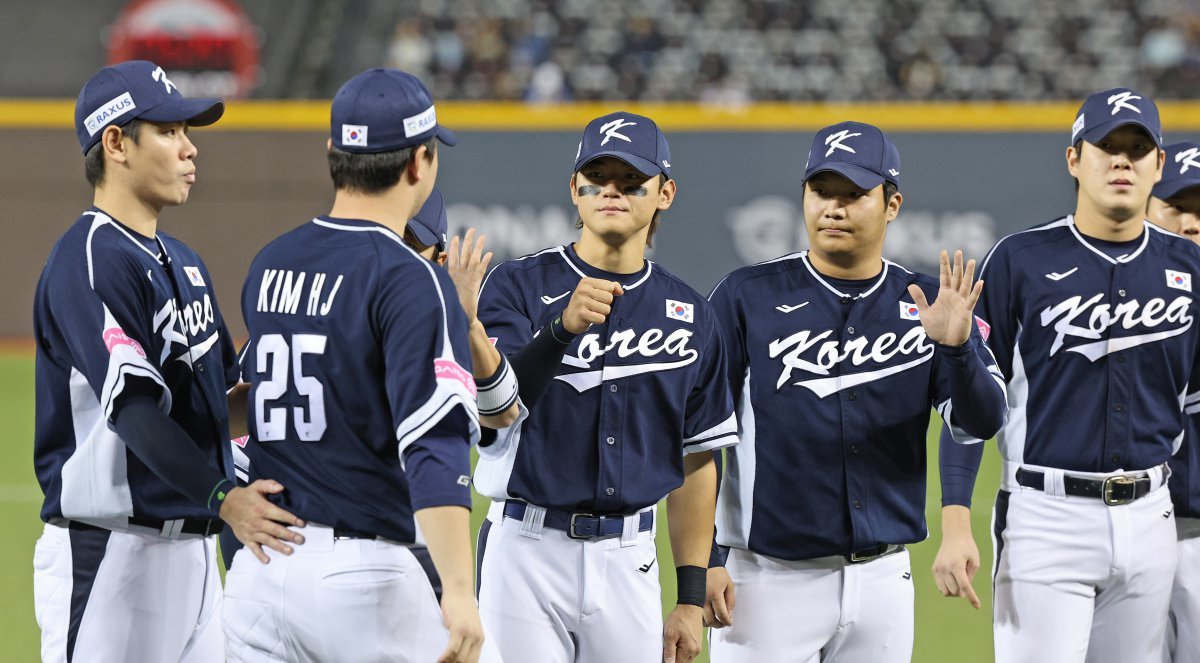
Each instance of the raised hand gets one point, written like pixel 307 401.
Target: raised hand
pixel 590 304
pixel 467 264
pixel 948 320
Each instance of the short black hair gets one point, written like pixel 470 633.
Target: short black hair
pixel 372 173
pixel 93 161
pixel 889 190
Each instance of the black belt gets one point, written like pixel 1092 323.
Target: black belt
pixel 872 554
pixel 585 526
pixel 198 526
pixel 1114 490
pixel 353 534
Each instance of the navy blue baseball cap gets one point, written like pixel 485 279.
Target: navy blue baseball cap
pixel 429 225
pixel 1106 111
pixel 859 152
pixel 1182 170
pixel 634 139
pixel 381 110
pixel 136 89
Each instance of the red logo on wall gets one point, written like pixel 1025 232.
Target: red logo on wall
pixel 209 47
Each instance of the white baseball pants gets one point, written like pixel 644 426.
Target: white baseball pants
pixel 117 596
pixel 1183 628
pixel 333 600
pixel 1077 580
pixel 548 598
pixel 817 610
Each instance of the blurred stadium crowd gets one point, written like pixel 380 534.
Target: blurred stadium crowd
pixel 736 51
pixel 712 51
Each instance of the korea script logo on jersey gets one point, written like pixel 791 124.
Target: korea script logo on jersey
pixel 1093 319
pixel 627 343
pixel 825 352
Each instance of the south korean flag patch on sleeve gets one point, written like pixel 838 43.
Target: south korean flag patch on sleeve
pixel 1179 280
pixel 680 311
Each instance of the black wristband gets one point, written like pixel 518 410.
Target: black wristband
pixel 560 333
pixel 692 583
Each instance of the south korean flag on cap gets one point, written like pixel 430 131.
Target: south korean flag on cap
pixel 1179 280
pixel 909 311
pixel 354 134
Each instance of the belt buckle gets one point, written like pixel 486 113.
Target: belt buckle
pixel 571 526
pixel 860 557
pixel 1110 485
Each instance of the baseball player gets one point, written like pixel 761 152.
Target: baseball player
pixel 1091 318
pixel 362 399
pixel 1175 206
pixel 467 264
pixel 835 358
pixel 622 396
pixel 133 364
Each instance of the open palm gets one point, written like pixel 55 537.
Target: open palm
pixel 948 320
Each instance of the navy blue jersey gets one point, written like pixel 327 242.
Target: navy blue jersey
pixel 834 394
pixel 113 305
pixel 1098 351
pixel 361 398
pixel 630 399
pixel 1185 466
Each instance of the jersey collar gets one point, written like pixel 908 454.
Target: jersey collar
pixel 1129 257
pixel 829 286
pixel 627 281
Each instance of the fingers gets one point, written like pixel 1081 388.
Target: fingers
pixel 452 259
pixel 969 276
pixel 965 589
pixel 722 609
pixel 944 269
pixel 590 304
pixel 669 640
pixel 453 652
pixel 258 552
pixel 918 296
pixel 973 298
pixel 956 273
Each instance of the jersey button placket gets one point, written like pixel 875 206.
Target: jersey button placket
pixel 1119 379
pixel 612 413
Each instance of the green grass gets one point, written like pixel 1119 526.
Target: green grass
pixel 947 629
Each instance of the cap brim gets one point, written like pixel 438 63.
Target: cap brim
pixel 643 166
pixel 1165 191
pixel 196 112
pixel 424 235
pixel 1099 131
pixel 862 178
pixel 446 136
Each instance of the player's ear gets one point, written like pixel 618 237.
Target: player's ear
pixel 1162 162
pixel 418 164
pixel 113 144
pixel 666 195
pixel 893 206
pixel 328 144
pixel 1073 160
pixel 574 193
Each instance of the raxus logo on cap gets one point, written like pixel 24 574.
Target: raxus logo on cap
pixel 1182 170
pixel 137 89
pixel 382 110
pixel 1104 112
pixel 859 152
pixel 634 139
